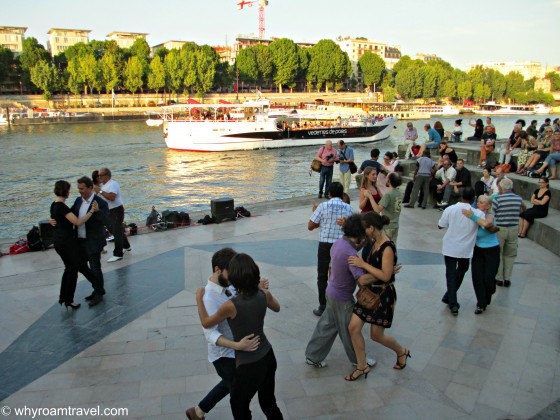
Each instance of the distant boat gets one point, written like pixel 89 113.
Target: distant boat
pixel 492 108
pixel 3 120
pixel 154 122
pixel 435 110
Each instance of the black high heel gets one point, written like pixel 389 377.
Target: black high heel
pixel 364 373
pixel 400 366
pixel 60 301
pixel 72 305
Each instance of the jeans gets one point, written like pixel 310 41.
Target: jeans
pixel 485 262
pixel 325 179
pixel 117 218
pixel 251 378
pixel 323 262
pixel 92 273
pixel 552 159
pixel 421 183
pixel 225 368
pixel 455 269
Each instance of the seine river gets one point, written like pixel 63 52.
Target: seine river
pixel 34 157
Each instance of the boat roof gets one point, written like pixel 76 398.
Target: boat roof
pixel 246 104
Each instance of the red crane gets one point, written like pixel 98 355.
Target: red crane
pixel 262 4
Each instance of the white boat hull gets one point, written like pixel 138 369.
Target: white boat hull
pixel 218 136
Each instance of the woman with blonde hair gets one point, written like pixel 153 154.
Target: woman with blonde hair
pixel 380 264
pixel 369 190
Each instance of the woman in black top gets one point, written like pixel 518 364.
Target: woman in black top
pixel 478 129
pixel 245 312
pixel 540 201
pixel 65 242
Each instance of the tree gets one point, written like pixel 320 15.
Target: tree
pixel 133 72
pixel 328 64
pixel 205 71
pixel 246 64
pixel 429 81
pixel 514 84
pixel 449 89
pixel 265 65
pixel 156 74
pixel 482 92
pixel 141 50
pixel 285 58
pixel 44 75
pixel 174 71
pixel 464 90
pixel 409 82
pixel 31 54
pixel 372 67
pixel 554 78
pixel 108 72
pixel 6 63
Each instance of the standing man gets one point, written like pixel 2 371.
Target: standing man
pixel 434 140
pixel 506 207
pixel 91 235
pixel 221 345
pixel 458 245
pixel 327 155
pixel 325 216
pixel 110 191
pixel 425 169
pixel 345 155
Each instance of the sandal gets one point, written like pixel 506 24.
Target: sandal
pixel 363 372
pixel 398 365
pixel 521 236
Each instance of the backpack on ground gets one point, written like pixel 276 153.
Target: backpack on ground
pixel 34 241
pixel 241 212
pixel 19 247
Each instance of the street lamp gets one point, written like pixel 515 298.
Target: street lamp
pixel 236 84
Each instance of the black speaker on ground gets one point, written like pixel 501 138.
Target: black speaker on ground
pixel 222 209
pixel 47 233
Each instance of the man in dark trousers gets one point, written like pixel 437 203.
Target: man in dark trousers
pixel 91 235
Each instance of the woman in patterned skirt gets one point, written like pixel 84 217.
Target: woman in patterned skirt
pixel 380 264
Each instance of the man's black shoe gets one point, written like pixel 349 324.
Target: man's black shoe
pixel 319 311
pixel 499 283
pixel 454 311
pixel 444 300
pixel 90 297
pixel 507 283
pixel 95 300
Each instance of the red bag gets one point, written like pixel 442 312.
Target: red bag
pixel 415 149
pixel 19 247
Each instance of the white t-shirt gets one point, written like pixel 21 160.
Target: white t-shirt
pixel 459 240
pixel 112 186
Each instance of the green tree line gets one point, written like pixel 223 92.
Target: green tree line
pixel 102 66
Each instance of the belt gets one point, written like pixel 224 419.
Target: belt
pixel 507 225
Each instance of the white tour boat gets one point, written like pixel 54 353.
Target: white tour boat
pixel 249 126
pixel 3 120
pixel 492 108
pixel 437 110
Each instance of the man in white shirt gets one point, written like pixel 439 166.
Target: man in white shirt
pixel 221 346
pixel 110 191
pixel 446 175
pixel 458 245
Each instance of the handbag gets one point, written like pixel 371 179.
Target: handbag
pixel 353 167
pixel 368 299
pixel 316 165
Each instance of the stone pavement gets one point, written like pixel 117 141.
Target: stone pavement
pixel 143 347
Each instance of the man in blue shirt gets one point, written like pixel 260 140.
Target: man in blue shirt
pixel 434 140
pixel 345 155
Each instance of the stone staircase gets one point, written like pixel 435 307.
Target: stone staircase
pixel 545 232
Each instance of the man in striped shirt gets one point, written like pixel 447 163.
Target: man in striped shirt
pixel 506 207
pixel 326 216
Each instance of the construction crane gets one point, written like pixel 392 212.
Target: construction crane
pixel 262 4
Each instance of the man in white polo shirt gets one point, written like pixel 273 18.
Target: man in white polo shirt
pixel 110 191
pixel 458 245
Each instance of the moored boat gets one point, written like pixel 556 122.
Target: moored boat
pixel 3 120
pixel 492 108
pixel 436 110
pixel 248 126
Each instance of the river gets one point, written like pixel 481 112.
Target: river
pixel 34 157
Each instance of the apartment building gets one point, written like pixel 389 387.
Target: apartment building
pixel 11 37
pixel 125 39
pixel 426 58
pixel 528 69
pixel 61 39
pixel 168 45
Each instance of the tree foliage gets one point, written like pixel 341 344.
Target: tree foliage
pixel 285 59
pixel 372 67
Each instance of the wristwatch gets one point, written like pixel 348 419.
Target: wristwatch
pixel 100 192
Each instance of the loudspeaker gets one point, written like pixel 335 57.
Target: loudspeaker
pixel 222 209
pixel 47 233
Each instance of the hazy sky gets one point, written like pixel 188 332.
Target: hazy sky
pixel 458 31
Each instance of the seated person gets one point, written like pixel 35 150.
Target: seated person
pixel 487 145
pixel 513 146
pixel 457 132
pixel 541 152
pixel 441 184
pixel 444 149
pixel 540 201
pixel 478 129
pixel 434 140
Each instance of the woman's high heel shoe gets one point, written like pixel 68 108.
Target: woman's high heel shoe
pixel 400 366
pixel 363 372
pixel 72 305
pixel 60 301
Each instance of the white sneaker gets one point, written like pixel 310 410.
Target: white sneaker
pixel 316 364
pixel 114 258
pixel 443 203
pixel 370 361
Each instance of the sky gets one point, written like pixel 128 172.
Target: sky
pixel 460 32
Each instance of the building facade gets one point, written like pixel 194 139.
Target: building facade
pixel 426 58
pixel 11 37
pixel 125 39
pixel 528 69
pixel 61 39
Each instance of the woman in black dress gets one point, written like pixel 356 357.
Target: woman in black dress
pixel 65 242
pixel 380 264
pixel 540 201
pixel 478 129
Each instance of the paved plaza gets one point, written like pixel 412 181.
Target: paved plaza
pixel 143 349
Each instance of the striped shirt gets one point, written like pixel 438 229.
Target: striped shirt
pixel 326 215
pixel 506 208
